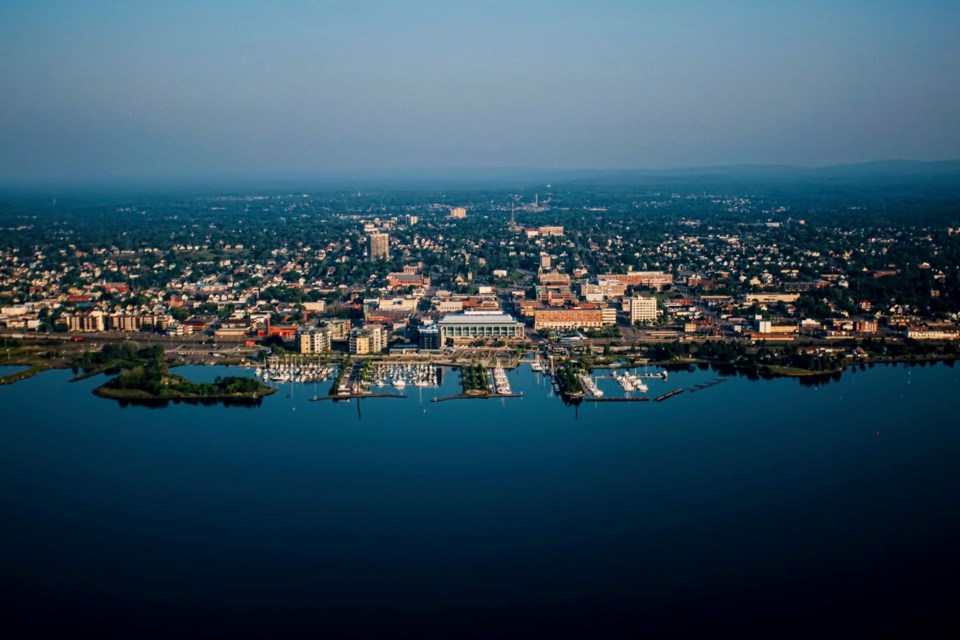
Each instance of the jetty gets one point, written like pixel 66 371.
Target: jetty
pixel 662 375
pixel 590 386
pixel 500 383
pixel 668 395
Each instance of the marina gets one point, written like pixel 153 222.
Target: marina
pixel 537 365
pixel 368 378
pixel 296 369
pixel 589 386
pixel 630 382
pixel 501 385
pixel 402 374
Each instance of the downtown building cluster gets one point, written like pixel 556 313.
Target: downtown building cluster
pixel 281 271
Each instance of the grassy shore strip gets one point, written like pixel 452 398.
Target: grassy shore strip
pixel 83 375
pixel 31 371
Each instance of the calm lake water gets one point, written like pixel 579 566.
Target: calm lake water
pixel 757 505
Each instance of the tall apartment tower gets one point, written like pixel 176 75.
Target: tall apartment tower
pixel 379 246
pixel 458 213
pixel 643 309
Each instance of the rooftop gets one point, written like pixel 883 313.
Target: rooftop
pixel 488 318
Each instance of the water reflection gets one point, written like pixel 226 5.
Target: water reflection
pixel 162 403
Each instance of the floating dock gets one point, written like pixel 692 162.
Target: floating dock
pixel 668 395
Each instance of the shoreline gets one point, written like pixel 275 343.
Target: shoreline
pixel 477 396
pixel 33 367
pixel 30 371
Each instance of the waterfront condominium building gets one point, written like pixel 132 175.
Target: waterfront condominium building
pixel 379 246
pixel 465 327
pixel 339 328
pixel 87 321
pixel 370 339
pixel 643 309
pixel 314 341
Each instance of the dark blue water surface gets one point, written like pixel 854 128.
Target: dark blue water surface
pixel 762 506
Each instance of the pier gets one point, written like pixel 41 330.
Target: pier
pixel 500 383
pixel 633 382
pixel 662 375
pixel 590 386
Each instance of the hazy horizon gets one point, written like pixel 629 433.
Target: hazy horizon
pixel 119 91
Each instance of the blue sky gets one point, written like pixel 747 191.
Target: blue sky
pixel 103 90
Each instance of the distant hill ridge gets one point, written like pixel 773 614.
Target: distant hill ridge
pixel 939 173
pixel 879 168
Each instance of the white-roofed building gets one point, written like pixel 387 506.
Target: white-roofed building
pixel 465 327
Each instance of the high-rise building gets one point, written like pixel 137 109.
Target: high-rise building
pixel 430 337
pixel 643 309
pixel 339 328
pixel 314 341
pixel 458 213
pixel 379 246
pixel 369 339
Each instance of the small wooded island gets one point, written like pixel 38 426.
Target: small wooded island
pixel 143 378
